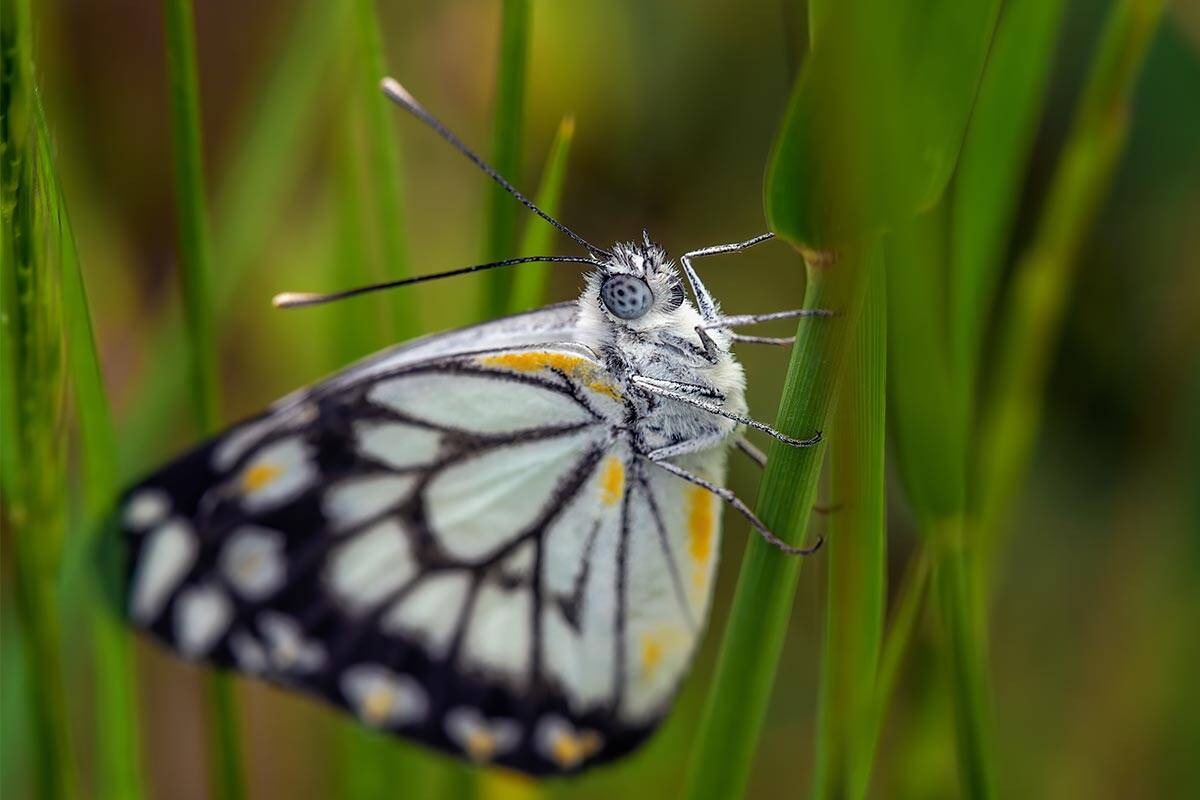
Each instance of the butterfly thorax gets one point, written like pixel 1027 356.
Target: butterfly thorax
pixel 665 343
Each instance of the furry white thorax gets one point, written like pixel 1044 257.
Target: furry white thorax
pixel 663 343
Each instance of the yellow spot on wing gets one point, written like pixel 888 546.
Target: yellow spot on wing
pixel 378 704
pixel 532 361
pixel 577 367
pixel 702 525
pixel 570 749
pixel 259 476
pixel 613 481
pixel 652 653
pixel 481 745
pixel 701 522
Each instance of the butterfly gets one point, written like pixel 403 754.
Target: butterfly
pixel 498 541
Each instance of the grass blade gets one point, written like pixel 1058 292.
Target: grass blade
pixel 500 239
pixel 856 556
pixel 529 282
pixel 873 130
pixel 278 131
pixel 1042 280
pixel 195 262
pixel 118 761
pixel 195 265
pixel 844 167
pixel 749 654
pixel 31 385
pixel 383 178
pixel 951 259
pixel 991 171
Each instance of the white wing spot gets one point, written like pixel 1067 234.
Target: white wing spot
pixel 287 648
pixel 202 615
pixel 382 698
pixel 252 562
pixel 559 741
pixel 248 652
pixel 286 414
pixel 276 474
pixel 397 445
pixel 480 738
pixel 167 556
pixel 146 508
pixel 358 499
pixel 370 565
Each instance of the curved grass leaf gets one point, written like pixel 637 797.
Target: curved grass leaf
pixel 876 120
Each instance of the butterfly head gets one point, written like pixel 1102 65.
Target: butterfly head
pixel 637 288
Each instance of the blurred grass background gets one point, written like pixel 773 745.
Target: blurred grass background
pixel 1096 591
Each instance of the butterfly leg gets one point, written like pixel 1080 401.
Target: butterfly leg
pixel 743 509
pixel 704 301
pixel 756 455
pixel 701 397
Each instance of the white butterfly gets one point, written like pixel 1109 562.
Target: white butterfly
pixel 499 541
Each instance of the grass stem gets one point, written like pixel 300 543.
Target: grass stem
pixel 383 178
pixel 195 265
pixel 500 239
pixel 749 655
pixel 32 469
pixel 855 554
pixel 967 665
pixel 1041 283
pixel 118 763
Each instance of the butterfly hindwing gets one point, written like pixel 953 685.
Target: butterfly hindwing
pixel 464 550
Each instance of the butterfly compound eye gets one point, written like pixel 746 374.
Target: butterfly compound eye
pixel 626 296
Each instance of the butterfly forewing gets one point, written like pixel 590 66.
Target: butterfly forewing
pixel 463 549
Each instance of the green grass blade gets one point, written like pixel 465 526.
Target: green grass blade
pixel 118 763
pixel 280 128
pixel 195 261
pixel 856 556
pixel 967 663
pixel 281 122
pixel 31 374
pixel 875 124
pixel 844 166
pixel 529 282
pixel 991 170
pixel 500 240
pixel 386 197
pixel 737 701
pixel 950 259
pixel 929 423
pixel 355 331
pixel 195 264
pixel 1043 276
pixel 909 600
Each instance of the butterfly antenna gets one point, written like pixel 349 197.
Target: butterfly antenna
pixel 297 299
pixel 402 98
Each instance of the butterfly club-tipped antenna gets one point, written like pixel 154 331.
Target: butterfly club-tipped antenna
pixel 401 96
